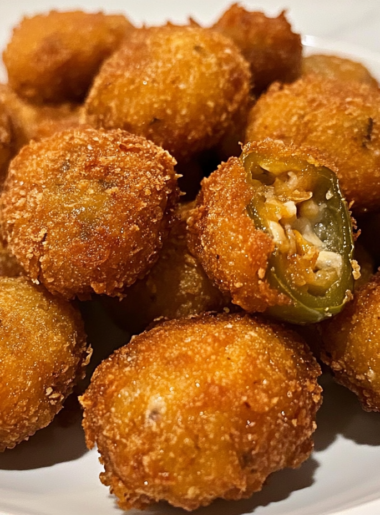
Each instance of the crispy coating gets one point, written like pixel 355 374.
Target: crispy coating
pixel 6 141
pixel 334 67
pixel 54 57
pixel 222 235
pixel 352 345
pixel 32 121
pixel 273 51
pixel 222 402
pixel 177 86
pixel 175 287
pixel 43 353
pixel 86 210
pixel 341 120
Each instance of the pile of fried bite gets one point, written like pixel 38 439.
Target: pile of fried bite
pixel 202 183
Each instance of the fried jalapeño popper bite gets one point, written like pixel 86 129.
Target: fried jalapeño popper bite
pixel 201 408
pixel 43 354
pixel 180 87
pixel 272 229
pixel 272 50
pixel 87 210
pixel 54 57
pixel 341 120
pixel 334 67
pixel 351 345
pixel 175 287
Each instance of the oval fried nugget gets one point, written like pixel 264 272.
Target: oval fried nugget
pixel 201 408
pixel 86 210
pixel 273 50
pixel 43 353
pixel 54 57
pixel 177 86
pixel 351 345
pixel 335 67
pixel 175 287
pixel 340 120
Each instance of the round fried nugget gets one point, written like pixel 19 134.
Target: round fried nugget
pixel 236 252
pixel 43 353
pixel 201 408
pixel 6 141
pixel 273 51
pixel 334 67
pixel 176 286
pixel 86 210
pixel 54 57
pixel 351 345
pixel 32 121
pixel 177 86
pixel 341 120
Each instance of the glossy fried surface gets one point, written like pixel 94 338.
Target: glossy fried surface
pixel 312 112
pixel 201 408
pixel 177 86
pixel 86 210
pixel 352 345
pixel 54 57
pixel 33 121
pixel 175 287
pixel 43 353
pixel 334 67
pixel 273 50
pixel 223 236
pixel 6 141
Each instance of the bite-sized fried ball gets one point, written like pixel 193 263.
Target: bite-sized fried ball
pixel 54 57
pixel 86 210
pixel 273 51
pixel 352 345
pixel 201 408
pixel 176 286
pixel 9 266
pixel 178 86
pixel 32 121
pixel 272 230
pixel 6 141
pixel 341 120
pixel 43 353
pixel 334 67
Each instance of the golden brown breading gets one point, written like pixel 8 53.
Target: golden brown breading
pixel 341 120
pixel 236 252
pixel 31 121
pixel 176 286
pixel 43 354
pixel 6 141
pixel 334 67
pixel 54 57
pixel 352 345
pixel 86 210
pixel 273 51
pixel 201 408
pixel 177 86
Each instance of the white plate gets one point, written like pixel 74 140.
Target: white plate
pixel 53 474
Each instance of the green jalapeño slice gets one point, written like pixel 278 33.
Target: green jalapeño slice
pixel 301 207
